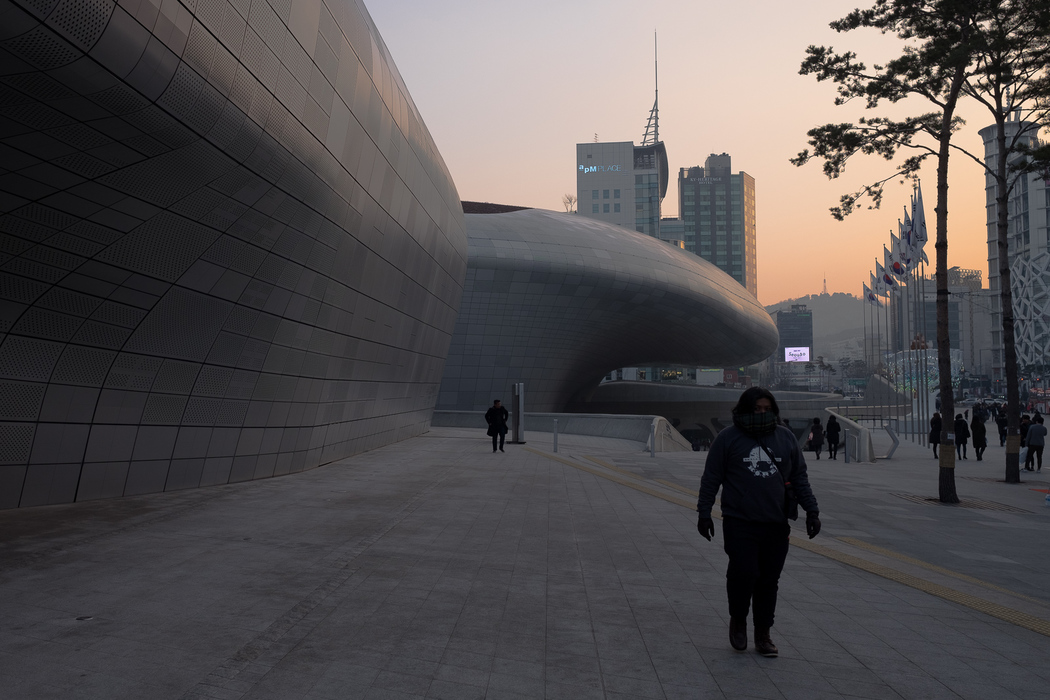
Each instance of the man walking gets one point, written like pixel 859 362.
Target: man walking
pixel 497 417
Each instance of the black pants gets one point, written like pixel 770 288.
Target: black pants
pixel 1035 455
pixel 756 557
pixel 498 437
pixel 833 448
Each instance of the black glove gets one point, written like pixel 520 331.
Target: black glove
pixel 706 527
pixel 812 524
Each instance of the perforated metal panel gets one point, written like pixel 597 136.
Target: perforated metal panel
pixel 15 442
pixel 164 247
pixel 40 48
pixel 28 358
pixel 81 21
pixel 20 400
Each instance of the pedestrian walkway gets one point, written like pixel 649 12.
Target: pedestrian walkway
pixel 434 568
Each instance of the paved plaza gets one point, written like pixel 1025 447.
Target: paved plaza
pixel 434 568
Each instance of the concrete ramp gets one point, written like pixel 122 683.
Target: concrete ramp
pixel 624 427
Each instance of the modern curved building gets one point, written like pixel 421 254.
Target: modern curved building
pixel 229 248
pixel 559 300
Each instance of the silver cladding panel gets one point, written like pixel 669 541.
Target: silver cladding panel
pixel 559 300
pixel 229 248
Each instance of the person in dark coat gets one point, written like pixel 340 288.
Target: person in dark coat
pixel 935 432
pixel 1036 440
pixel 962 434
pixel 816 437
pixel 979 433
pixel 833 431
pixel 1001 423
pixel 755 462
pixel 497 417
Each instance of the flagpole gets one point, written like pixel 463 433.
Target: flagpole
pixel 878 338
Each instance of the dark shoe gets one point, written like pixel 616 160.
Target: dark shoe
pixel 738 633
pixel 501 449
pixel 763 644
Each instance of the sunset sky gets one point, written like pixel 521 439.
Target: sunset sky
pixel 508 89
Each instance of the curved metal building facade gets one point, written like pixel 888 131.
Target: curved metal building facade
pixel 559 300
pixel 229 248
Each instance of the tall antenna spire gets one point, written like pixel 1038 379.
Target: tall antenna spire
pixel 652 129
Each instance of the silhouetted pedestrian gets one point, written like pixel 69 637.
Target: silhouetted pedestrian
pixel 979 433
pixel 1001 422
pixel 758 465
pixel 833 431
pixel 816 437
pixel 496 417
pixel 935 432
pixel 962 434
pixel 1036 442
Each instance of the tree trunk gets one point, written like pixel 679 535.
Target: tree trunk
pixel 1006 302
pixel 946 480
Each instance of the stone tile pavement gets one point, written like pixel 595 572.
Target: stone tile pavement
pixel 436 569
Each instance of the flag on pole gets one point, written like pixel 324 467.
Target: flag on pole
pixel 876 285
pixel 918 224
pixel 887 279
pixel 871 297
pixel 901 257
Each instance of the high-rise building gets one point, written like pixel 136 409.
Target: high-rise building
pixel 718 209
pixel 623 184
pixel 1029 246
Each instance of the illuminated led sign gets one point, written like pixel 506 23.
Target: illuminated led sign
pixel 601 168
pixel 796 354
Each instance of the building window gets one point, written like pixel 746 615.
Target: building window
pixel 594 194
pixel 605 194
pixel 616 207
pixel 594 208
pixel 605 208
pixel 616 194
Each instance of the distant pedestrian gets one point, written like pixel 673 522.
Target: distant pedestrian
pixel 935 432
pixel 757 464
pixel 833 430
pixel 979 433
pixel 497 417
pixel 1001 422
pixel 816 437
pixel 1036 442
pixel 962 434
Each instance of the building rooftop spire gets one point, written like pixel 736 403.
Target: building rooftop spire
pixel 652 128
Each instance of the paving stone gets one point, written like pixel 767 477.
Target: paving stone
pixel 422 570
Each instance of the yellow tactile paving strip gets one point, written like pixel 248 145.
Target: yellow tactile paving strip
pixel 633 483
pixel 1001 612
pixel 931 567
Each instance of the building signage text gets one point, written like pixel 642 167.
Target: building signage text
pixel 601 168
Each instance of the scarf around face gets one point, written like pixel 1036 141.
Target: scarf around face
pixel 756 423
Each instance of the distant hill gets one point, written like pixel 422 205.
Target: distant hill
pixel 838 323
